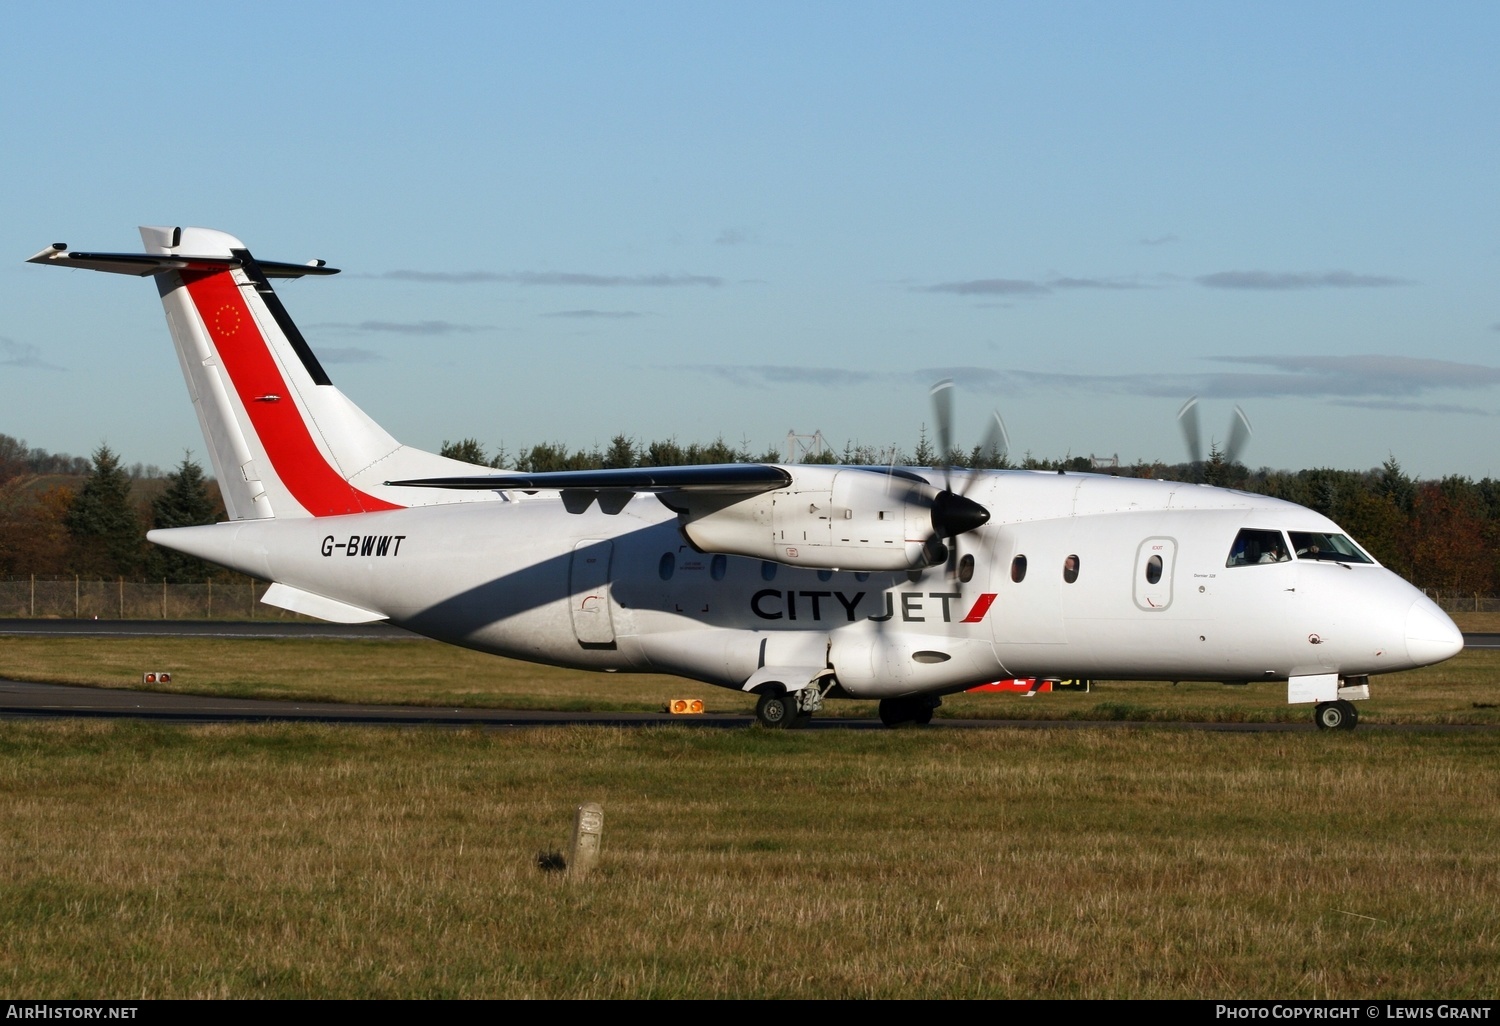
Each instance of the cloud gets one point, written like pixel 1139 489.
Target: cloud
pixel 1372 404
pixel 988 287
pixel 584 314
pixel 554 278
pixel 1093 283
pixel 1283 281
pixel 1023 287
pixel 349 354
pixel 404 327
pixel 1371 374
pixel 1334 378
pixel 1378 382
pixel 1160 240
pixel 23 354
pixel 768 376
pixel 733 237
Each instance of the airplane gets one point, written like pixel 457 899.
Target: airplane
pixel 800 584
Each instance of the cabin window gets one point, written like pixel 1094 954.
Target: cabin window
pixel 966 569
pixel 1335 547
pixel 667 567
pixel 1070 569
pixel 767 570
pixel 1153 570
pixel 1253 546
pixel 717 566
pixel 1018 569
pixel 825 575
pixel 862 576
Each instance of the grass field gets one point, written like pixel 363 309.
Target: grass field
pixel 1462 690
pixel 293 861
pixel 147 860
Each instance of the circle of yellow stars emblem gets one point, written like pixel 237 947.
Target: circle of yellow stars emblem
pixel 227 320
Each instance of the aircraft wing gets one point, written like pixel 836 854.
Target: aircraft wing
pixel 746 478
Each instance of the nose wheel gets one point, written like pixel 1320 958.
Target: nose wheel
pixel 1340 715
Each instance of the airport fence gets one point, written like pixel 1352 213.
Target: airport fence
pixel 82 598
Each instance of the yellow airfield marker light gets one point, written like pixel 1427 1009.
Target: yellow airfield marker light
pixel 685 706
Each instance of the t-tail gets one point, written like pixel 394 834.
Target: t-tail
pixel 284 442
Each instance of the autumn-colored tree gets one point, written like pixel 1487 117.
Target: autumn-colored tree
pixel 1448 543
pixel 1376 524
pixel 33 539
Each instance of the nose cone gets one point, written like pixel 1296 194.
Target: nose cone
pixel 1430 636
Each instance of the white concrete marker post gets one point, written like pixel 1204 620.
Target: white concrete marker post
pixel 588 834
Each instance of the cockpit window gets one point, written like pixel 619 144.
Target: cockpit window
pixel 1253 546
pixel 1335 547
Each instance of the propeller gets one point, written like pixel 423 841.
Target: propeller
pixel 1239 433
pixel 953 512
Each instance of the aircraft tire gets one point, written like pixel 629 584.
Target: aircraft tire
pixel 892 712
pixel 776 712
pixel 898 712
pixel 1340 715
pixel 1351 714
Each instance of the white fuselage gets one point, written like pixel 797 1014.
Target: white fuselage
pixel 625 591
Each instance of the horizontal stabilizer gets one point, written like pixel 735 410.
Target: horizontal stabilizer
pixel 296 600
pixel 146 264
pixel 723 477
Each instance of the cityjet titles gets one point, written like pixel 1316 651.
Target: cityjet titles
pixel 364 545
pixel 910 606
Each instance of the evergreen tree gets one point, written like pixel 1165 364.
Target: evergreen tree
pixel 924 455
pixel 621 453
pixel 185 503
pixel 468 450
pixel 103 522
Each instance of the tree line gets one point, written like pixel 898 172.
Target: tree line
pixel 63 515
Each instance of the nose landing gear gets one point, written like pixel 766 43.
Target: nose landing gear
pixel 1340 715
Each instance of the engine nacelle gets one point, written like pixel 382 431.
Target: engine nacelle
pixel 828 517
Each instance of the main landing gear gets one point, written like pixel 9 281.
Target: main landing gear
pixel 782 711
pixel 915 709
pixel 1340 715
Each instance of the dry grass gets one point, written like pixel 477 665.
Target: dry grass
pixel 295 861
pixel 1478 623
pixel 1461 690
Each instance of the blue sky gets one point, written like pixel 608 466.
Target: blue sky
pixel 562 222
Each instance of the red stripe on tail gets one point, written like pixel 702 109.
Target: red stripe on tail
pixel 247 360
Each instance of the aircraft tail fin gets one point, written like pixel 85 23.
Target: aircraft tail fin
pixel 283 440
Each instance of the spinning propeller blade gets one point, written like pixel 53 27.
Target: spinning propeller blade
pixel 953 513
pixel 1187 419
pixel 1239 434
